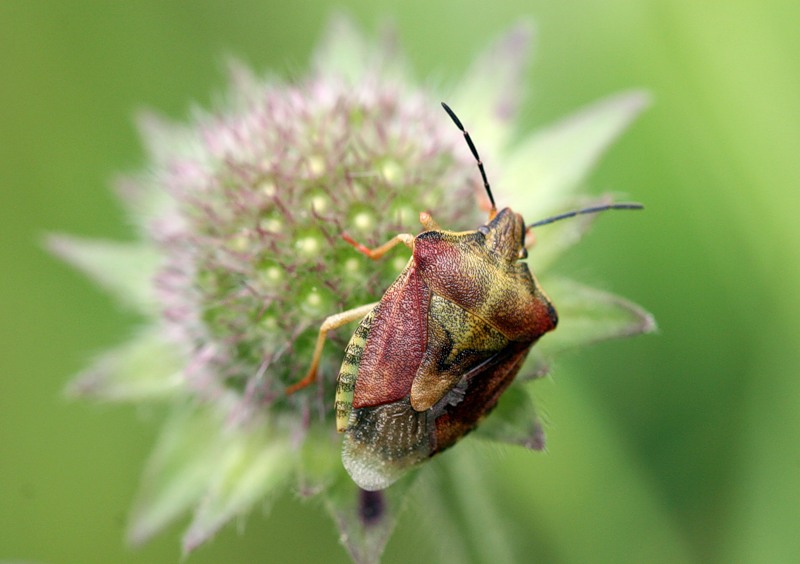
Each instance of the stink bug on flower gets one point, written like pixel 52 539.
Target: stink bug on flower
pixel 430 360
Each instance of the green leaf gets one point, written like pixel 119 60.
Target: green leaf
pixel 319 460
pixel 165 139
pixel 552 241
pixel 345 53
pixel 253 463
pixel 123 269
pixel 434 507
pixel 246 88
pixel 489 95
pixel 462 488
pixel 514 421
pixel 145 368
pixel 587 315
pixel 366 519
pixel 342 49
pixel 179 471
pixel 545 170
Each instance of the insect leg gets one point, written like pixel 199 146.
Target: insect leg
pixel 332 322
pixel 428 223
pixel 376 253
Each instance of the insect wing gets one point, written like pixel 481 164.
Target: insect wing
pixel 396 343
pixel 479 393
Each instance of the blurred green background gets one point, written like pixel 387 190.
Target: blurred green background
pixel 683 446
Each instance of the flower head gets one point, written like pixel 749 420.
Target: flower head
pixel 241 258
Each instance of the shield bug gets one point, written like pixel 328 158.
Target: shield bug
pixel 431 359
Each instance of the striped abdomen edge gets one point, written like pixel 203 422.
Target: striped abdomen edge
pixel 346 381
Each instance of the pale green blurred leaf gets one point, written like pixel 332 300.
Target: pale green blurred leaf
pixel 320 460
pixel 252 463
pixel 462 488
pixel 145 368
pixel 544 170
pixel 341 50
pixel 587 315
pixel 433 498
pixel 179 471
pixel 553 240
pixel 165 139
pixel 123 269
pixel 345 53
pixel 245 86
pixel 488 97
pixel 514 421
pixel 366 519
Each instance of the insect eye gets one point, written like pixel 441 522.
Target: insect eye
pixel 483 229
pixel 523 253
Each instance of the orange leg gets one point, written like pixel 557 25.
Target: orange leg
pixel 428 224
pixel 378 252
pixel 330 323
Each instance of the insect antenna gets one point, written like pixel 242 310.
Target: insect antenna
pixel 593 209
pixel 472 148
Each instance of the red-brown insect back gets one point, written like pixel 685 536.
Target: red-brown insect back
pixel 432 358
pixel 391 355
